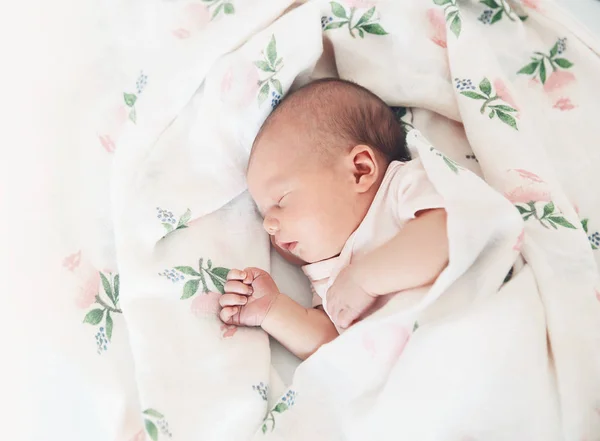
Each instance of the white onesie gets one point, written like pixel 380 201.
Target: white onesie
pixel 404 191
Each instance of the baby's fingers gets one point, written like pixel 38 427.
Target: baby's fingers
pixel 232 300
pixel 228 314
pixel 237 287
pixel 236 274
pixel 346 317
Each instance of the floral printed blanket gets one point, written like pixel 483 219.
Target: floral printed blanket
pixel 502 97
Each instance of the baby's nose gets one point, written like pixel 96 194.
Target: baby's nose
pixel 271 225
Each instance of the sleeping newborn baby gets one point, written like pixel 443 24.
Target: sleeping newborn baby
pixel 332 177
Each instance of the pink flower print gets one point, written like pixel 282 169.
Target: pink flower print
pixel 437 23
pixel 239 84
pixel 229 330
pixel 388 342
pixel 504 94
pixel 72 261
pixel 205 304
pixel 360 4
pixel 557 80
pixel 533 4
pixel 598 298
pixel 107 143
pixel 519 243
pixel 88 291
pixel 139 436
pixel 528 175
pixel 526 194
pixel 564 104
pixel 192 18
pixel 181 33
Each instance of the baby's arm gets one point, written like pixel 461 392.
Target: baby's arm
pixel 252 299
pixel 301 330
pixel 414 257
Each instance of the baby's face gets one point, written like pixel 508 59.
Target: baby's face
pixel 309 208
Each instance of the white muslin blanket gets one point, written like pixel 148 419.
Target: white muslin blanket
pixel 500 101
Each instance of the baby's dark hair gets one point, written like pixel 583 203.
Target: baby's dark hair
pixel 338 114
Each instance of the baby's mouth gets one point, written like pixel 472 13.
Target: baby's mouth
pixel 288 246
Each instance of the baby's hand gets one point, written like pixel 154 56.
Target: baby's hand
pixel 249 294
pixel 347 300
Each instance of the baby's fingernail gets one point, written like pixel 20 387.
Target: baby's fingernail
pixel 243 275
pixel 250 290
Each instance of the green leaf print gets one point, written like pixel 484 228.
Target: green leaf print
pixel 485 86
pixel 221 6
pixel 335 25
pixel 584 224
pixel 366 17
pixel 530 68
pixel 270 65
pixel 490 98
pixel 168 227
pixel 228 9
pixel 503 108
pixel 187 270
pixel 338 10
pixel 217 282
pixel 217 275
pixel 106 301
pixel 548 209
pixel 190 288
pixel 184 219
pixel 133 115
pixel 220 272
pixel 153 413
pixel 550 218
pixel 94 316
pixel 456 25
pixel 272 50
pixel 450 164
pixel 563 62
pixel 491 3
pixel 497 17
pixel 367 23
pixel 263 93
pixel 277 86
pixel 374 29
pixel 264 66
pixel 473 95
pixel 109 325
pixel 151 430
pixel 559 220
pixel 498 9
pixel 543 72
pixel 280 407
pixel 107 288
pixel 540 60
pixel 130 99
pixel 507 119
pixel 452 15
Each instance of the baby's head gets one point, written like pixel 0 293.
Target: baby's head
pixel 317 163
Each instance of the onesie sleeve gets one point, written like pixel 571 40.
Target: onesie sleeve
pixel 415 192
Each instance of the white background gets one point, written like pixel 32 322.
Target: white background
pixel 44 49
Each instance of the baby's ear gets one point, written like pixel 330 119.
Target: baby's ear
pixel 365 167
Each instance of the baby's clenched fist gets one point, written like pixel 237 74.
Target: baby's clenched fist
pixel 249 295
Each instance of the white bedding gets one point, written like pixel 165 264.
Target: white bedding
pixel 170 360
